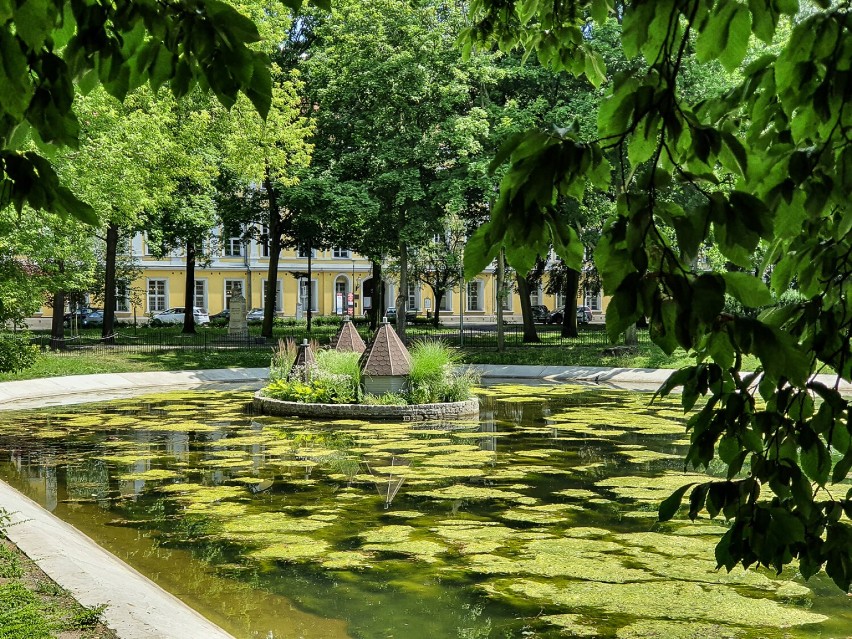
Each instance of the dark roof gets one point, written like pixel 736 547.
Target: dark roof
pixel 386 354
pixel 304 359
pixel 347 339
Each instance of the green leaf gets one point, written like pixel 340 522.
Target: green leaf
pixel 737 37
pixel 259 91
pixel 671 504
pixel 479 251
pixel 816 462
pixel 749 290
pixel 34 21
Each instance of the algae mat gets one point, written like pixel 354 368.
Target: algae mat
pixel 536 521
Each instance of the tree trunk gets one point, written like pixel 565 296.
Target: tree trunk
pixel 501 271
pixel 530 332
pixel 569 318
pixel 109 283
pixel 274 241
pixel 377 310
pixel 402 293
pixel 57 324
pixel 631 337
pixel 189 296
pixel 438 294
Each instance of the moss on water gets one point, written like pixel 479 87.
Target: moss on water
pixel 662 600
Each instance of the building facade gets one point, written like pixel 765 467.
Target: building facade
pixel 340 283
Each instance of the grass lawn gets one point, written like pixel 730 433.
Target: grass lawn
pixel 32 606
pixel 50 365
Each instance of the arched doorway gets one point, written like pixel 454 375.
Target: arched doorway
pixel 341 299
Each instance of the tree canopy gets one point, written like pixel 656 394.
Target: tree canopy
pixel 768 164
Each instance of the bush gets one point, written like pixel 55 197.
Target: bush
pixel 323 388
pixel 333 362
pixel 434 377
pixel 16 353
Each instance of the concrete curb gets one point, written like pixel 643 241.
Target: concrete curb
pixel 137 608
pixel 75 389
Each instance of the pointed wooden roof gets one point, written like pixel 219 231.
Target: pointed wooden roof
pixel 386 354
pixel 348 340
pixel 304 359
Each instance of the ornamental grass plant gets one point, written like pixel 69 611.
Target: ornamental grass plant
pixel 434 375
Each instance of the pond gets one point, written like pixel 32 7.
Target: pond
pixel 537 520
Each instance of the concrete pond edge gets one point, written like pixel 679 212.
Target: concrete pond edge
pixel 407 413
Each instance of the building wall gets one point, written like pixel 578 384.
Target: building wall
pixel 478 297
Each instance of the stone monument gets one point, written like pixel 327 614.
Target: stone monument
pixel 237 324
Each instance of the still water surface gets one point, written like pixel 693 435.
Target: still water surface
pixel 538 520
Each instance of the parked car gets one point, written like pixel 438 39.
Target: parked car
pixel 540 313
pixel 221 318
pixel 176 315
pixel 95 318
pixel 79 316
pixel 584 315
pixel 255 316
pixel 391 314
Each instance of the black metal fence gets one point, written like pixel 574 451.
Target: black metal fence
pixel 150 340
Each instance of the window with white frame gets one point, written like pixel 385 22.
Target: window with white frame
pixel 342 253
pixel 232 246
pixel 149 246
pixel 303 294
pixel 200 294
pixel 413 298
pixel 560 300
pixel 304 252
pixel 157 295
pixel 446 305
pixel 264 241
pixel 279 295
pixel 507 298
pixel 122 297
pixel 232 288
pixel 474 295
pixel 592 300
pixel 535 296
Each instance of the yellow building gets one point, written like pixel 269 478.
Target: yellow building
pixel 335 274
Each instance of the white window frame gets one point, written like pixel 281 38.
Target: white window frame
pixel 302 252
pixel 162 298
pixel 279 295
pixel 147 242
pixel 536 295
pixel 447 302
pixel 232 246
pixel 593 301
pixel 228 287
pixel 475 294
pixel 414 298
pixel 122 297
pixel 202 283
pixel 314 294
pixel 507 302
pixel 341 253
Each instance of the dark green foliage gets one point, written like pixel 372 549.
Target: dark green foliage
pixel 762 166
pixel 49 45
pixel 16 353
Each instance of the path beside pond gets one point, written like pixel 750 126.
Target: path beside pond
pixel 76 389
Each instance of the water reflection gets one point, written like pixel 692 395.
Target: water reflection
pixel 538 520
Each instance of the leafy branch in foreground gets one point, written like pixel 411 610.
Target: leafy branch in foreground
pixel 766 164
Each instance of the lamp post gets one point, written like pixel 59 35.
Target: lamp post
pixel 352 292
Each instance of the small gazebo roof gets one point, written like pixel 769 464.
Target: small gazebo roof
pixel 386 354
pixel 348 340
pixel 304 359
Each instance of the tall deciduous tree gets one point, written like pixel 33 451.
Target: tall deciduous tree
pixel 390 90
pixel 780 138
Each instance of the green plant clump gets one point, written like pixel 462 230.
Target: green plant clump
pixel 335 378
pixel 16 353
pixel 434 376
